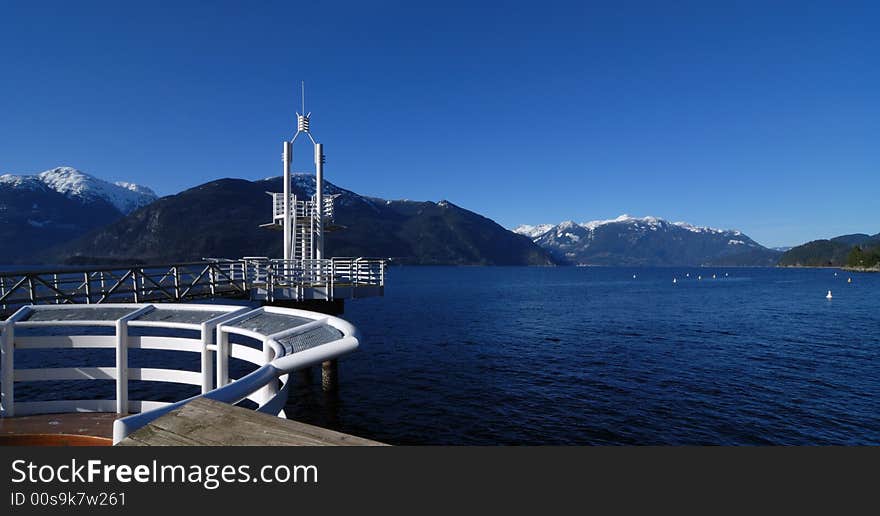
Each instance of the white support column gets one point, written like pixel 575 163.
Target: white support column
pixel 319 194
pixel 287 158
pixel 7 357
pixel 207 358
pixel 121 366
pixel 7 377
pixel 122 357
pixel 267 392
pixel 222 357
pixel 210 335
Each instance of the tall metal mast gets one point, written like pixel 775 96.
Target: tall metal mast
pixel 302 127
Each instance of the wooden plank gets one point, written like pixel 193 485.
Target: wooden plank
pixel 204 422
pixel 96 424
pixel 52 440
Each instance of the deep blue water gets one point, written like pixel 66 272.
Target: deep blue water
pixel 486 355
pixel 516 355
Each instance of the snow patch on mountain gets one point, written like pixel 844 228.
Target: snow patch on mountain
pixel 74 184
pixel 533 231
pixel 141 189
pixel 704 229
pixel 649 221
pixel 26 182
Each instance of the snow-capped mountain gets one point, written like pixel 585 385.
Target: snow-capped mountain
pixel 42 210
pixel 74 184
pixel 628 240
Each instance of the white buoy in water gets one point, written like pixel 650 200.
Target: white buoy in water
pixel 634 276
pixel 835 274
pixel 713 276
pixel 725 274
pixel 828 296
pixel 849 280
pixel 688 275
pixel 700 277
pixel 675 280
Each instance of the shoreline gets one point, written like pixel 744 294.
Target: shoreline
pixel 862 269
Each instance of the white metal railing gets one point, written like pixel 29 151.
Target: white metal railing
pixel 274 360
pixel 212 277
pixel 331 278
pixel 300 208
pixel 339 271
pixel 137 284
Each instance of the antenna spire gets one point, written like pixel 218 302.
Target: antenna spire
pixel 303 83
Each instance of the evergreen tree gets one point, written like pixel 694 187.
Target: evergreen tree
pixel 856 257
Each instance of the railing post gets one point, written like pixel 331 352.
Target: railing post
pixel 176 283
pixel 222 357
pixel 207 363
pixel 271 389
pixel 7 358
pixel 88 281
pixel 7 377
pixel 122 357
pixel 121 366
pixel 32 289
pixel 134 284
pixel 55 284
pixel 270 284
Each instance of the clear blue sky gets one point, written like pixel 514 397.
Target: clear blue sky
pixel 762 116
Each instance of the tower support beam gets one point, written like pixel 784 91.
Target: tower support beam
pixel 319 200
pixel 287 158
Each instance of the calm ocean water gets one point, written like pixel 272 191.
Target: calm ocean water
pixel 510 355
pixel 488 355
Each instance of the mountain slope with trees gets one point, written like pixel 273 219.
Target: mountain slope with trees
pixel 221 219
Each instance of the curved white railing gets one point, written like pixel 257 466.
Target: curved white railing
pixel 291 339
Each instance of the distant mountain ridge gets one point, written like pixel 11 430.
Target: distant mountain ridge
pixel 833 252
pixel 221 219
pixel 47 209
pixel 628 240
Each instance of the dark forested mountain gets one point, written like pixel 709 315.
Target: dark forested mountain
pixel 647 241
pixel 222 218
pixel 855 239
pixel 834 252
pixel 56 206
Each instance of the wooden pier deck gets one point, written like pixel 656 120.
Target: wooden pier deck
pixel 74 429
pixel 204 422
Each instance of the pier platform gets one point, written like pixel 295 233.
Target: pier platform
pixel 291 282
pixel 204 422
pixel 201 422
